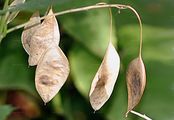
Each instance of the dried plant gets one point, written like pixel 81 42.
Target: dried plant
pixel 41 40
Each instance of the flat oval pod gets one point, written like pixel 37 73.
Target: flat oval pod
pixel 45 36
pixel 105 78
pixel 29 30
pixel 136 81
pixel 51 73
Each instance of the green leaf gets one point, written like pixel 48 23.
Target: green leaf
pixel 84 65
pixel 158 58
pixel 91 28
pixel 5 111
pixel 14 70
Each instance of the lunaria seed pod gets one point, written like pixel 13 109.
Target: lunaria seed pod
pixel 136 81
pixel 105 78
pixel 51 73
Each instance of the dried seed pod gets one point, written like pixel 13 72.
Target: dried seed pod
pixel 45 36
pixel 12 15
pixel 105 78
pixel 136 81
pixel 29 30
pixel 51 73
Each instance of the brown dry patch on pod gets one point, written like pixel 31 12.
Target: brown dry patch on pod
pixel 105 78
pixel 136 81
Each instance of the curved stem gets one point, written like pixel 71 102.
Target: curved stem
pixel 3 25
pixel 97 6
pixel 141 29
pixel 110 14
pixel 119 6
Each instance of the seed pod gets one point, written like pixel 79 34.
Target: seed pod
pixel 29 30
pixel 12 15
pixel 51 73
pixel 45 36
pixel 105 78
pixel 136 81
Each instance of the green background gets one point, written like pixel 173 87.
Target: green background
pixel 84 38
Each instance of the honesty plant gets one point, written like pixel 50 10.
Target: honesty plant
pixel 41 42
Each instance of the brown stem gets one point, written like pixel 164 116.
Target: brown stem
pixel 97 6
pixel 141 29
pixel 110 14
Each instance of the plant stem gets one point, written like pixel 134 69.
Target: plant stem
pixel 3 25
pixel 110 14
pixel 97 6
pixel 141 29
pixel 3 18
pixel 119 6
pixel 140 115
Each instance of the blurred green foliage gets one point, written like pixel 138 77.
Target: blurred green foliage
pixel 5 110
pixel 84 38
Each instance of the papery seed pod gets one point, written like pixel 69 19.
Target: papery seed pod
pixel 136 81
pixel 13 15
pixel 45 36
pixel 29 30
pixel 105 78
pixel 51 73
